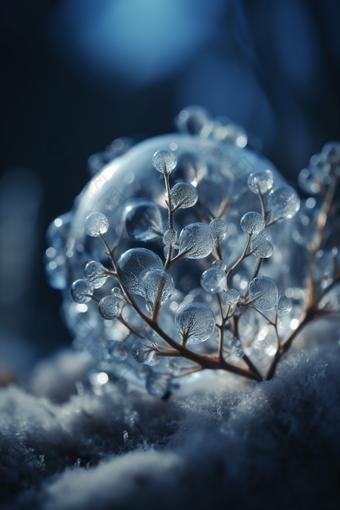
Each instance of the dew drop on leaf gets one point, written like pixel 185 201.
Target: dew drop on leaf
pixel 79 289
pixel 195 321
pixel 164 158
pixel 94 273
pixel 284 305
pixel 252 223
pixel 96 223
pixel 196 241
pixel 144 351
pixel 284 202
pixel 132 266
pixel 264 292
pixel 157 280
pixel 260 182
pixel 219 264
pixel 183 195
pixel 170 237
pixel 109 307
pixel 218 229
pixel 213 280
pixel 230 296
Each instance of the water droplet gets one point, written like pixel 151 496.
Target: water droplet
pixel 218 229
pixel 183 195
pixel 170 237
pixel 94 273
pixel 164 158
pixel 132 266
pixel 195 120
pixel 156 281
pixel 230 296
pixel 284 305
pixel 109 307
pixel 144 351
pixel 157 385
pixel 196 241
pixel 260 182
pixel 261 241
pixel 143 220
pixel 79 289
pixel 284 202
pixel 264 292
pixel 213 280
pixel 252 223
pixel 219 264
pixel 196 322
pixel 96 223
pixel 117 292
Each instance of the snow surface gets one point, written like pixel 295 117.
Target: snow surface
pixel 228 444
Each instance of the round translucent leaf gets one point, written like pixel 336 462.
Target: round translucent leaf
pixel 118 351
pixel 218 229
pixel 96 223
pixel 196 241
pixel 195 322
pixel 117 292
pixel 143 221
pixel 158 282
pixel 252 223
pixel 264 292
pixel 230 296
pixel 307 182
pixel 284 202
pixel 94 273
pixel 164 159
pixel 284 305
pixel 132 266
pixel 195 120
pixel 261 241
pixel 170 237
pixel 183 195
pixel 331 152
pixel 81 291
pixel 219 264
pixel 260 182
pixel 144 351
pixel 157 385
pixel 109 307
pixel 213 280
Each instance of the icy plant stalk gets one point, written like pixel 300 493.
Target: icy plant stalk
pixel 141 272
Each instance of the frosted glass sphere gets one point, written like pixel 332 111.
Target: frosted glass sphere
pixel 213 280
pixel 125 202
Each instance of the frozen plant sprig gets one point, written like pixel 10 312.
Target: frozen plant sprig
pixel 140 271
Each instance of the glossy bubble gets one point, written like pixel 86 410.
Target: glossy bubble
pixel 284 305
pixel 252 223
pixel 81 291
pixel 218 229
pixel 183 195
pixel 284 202
pixel 132 266
pixel 143 220
pixel 164 159
pixel 195 321
pixel 170 237
pixel 96 223
pixel 260 182
pixel 109 307
pixel 196 241
pixel 144 351
pixel 94 273
pixel 264 292
pixel 219 264
pixel 213 280
pixel 157 282
pixel 157 385
pixel 230 296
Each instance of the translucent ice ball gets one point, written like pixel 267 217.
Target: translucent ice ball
pixel 125 206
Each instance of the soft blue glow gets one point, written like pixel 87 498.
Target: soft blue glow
pixel 139 40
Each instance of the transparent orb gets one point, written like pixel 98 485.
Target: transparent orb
pixel 125 202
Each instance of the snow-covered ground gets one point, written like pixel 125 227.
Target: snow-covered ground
pixel 229 444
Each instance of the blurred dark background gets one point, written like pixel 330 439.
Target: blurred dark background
pixel 78 73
